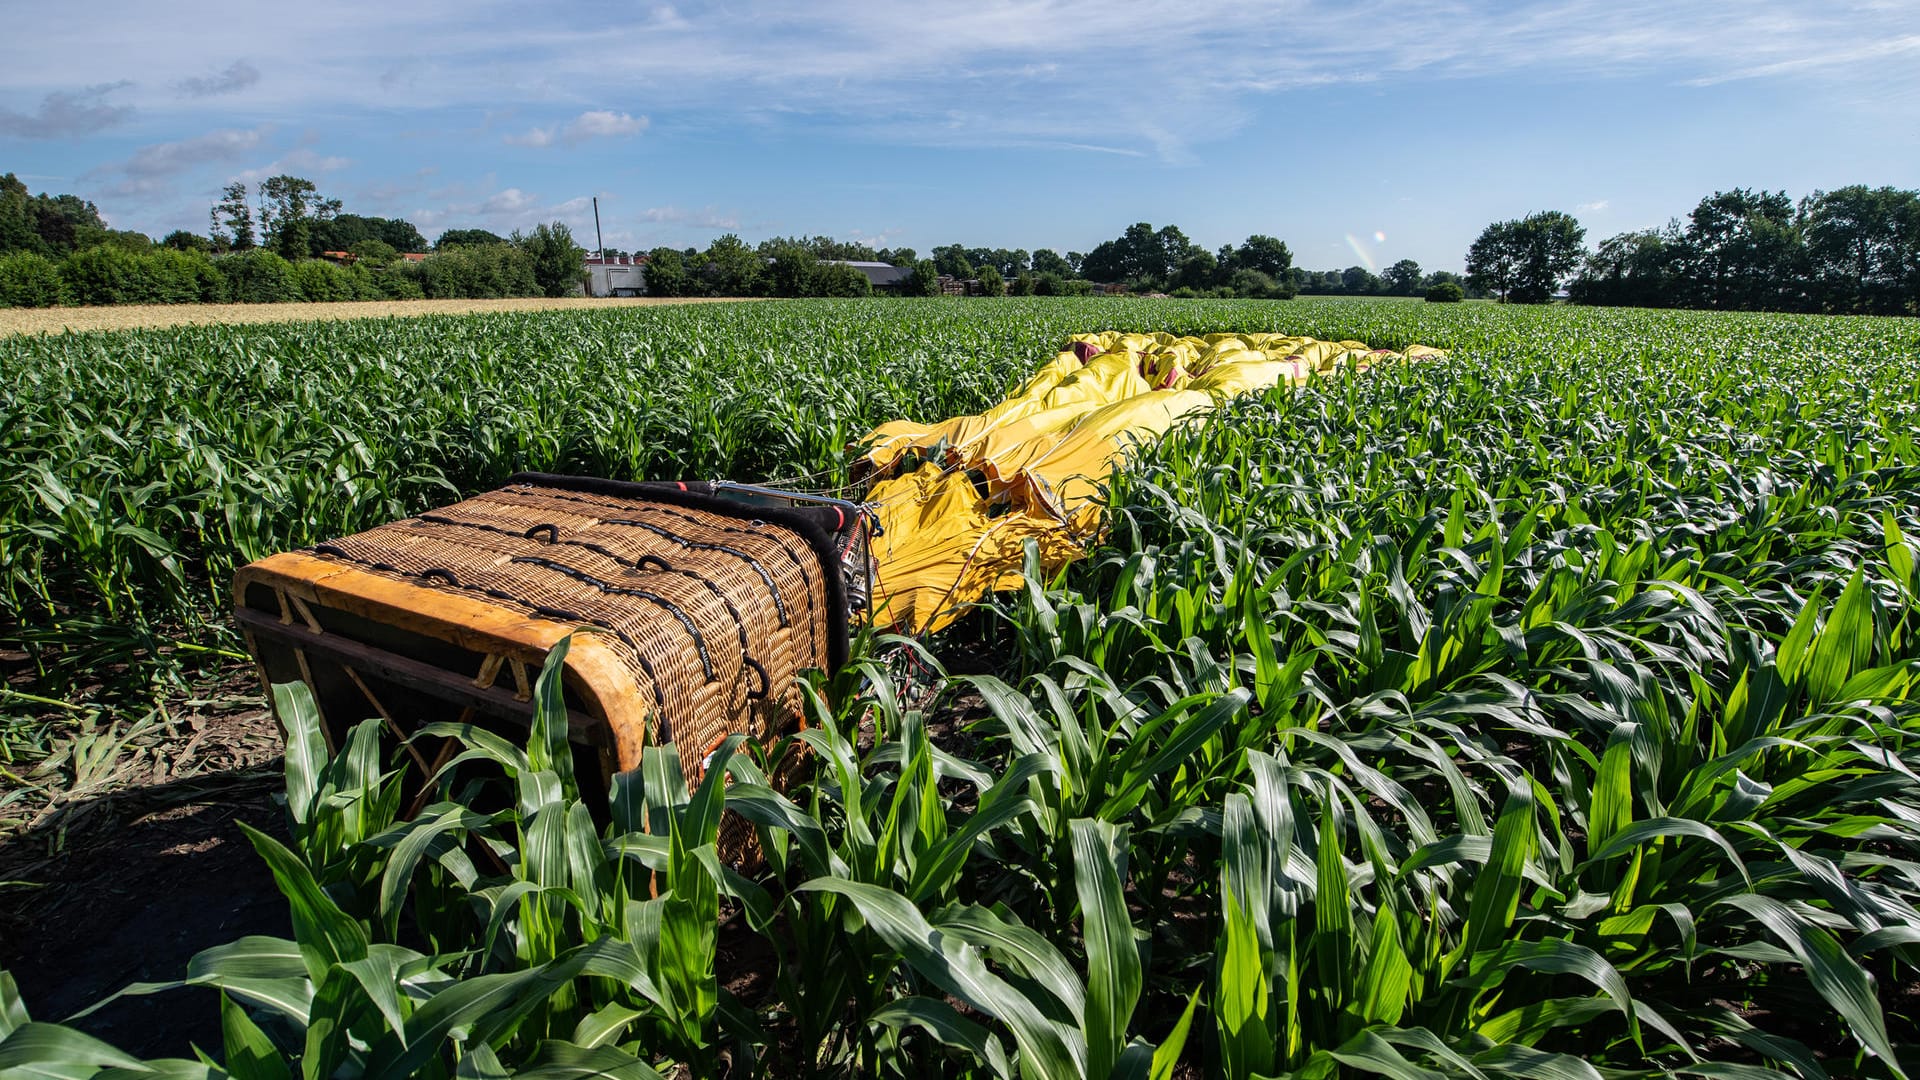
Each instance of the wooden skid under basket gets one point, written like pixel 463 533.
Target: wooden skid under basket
pixel 701 612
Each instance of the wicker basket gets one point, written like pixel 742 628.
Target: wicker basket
pixel 701 609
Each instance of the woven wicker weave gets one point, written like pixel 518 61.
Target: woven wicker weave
pixel 712 607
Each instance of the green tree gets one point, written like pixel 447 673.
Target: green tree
pixel 1524 261
pixel 48 224
pixel 1005 261
pixel 991 283
pixel 951 260
pixel 29 279
pixel 922 280
pixel 1863 249
pixel 343 231
pixel 559 264
pixel 839 279
pixel 1359 281
pixel 1197 270
pixel 1403 277
pixel 1266 254
pixel 18 231
pixel 1142 256
pixel 1743 250
pixel 257 277
pixel 1446 292
pixel 99 275
pixel 182 240
pixel 1023 284
pixel 453 238
pixel 1253 284
pixel 232 219
pixel 292 205
pixel 731 268
pixel 1635 268
pixel 791 271
pixel 1049 261
pixel 374 252
pixel 666 273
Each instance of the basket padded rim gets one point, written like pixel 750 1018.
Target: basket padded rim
pixel 598 673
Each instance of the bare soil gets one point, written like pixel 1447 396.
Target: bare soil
pixel 128 892
pixel 136 316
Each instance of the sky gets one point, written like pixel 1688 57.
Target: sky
pixel 1360 132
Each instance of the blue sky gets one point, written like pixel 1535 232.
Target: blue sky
pixel 1359 132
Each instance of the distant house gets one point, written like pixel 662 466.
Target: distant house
pixel 616 275
pixel 885 277
pixel 414 256
pixel 344 258
pixel 953 286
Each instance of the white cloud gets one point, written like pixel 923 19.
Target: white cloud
pixel 458 206
pixel 1040 73
pixel 594 124
pixel 1593 207
pixel 706 218
pixel 152 168
pixel 1860 54
pixel 300 161
pixel 507 203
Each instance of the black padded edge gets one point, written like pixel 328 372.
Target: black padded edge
pixel 811 523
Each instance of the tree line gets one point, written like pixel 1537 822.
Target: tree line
pixel 1854 250
pixel 1143 259
pixel 265 246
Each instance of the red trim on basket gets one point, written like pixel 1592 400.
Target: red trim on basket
pixel 682 483
pixel 841 521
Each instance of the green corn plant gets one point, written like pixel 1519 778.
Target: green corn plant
pixel 595 948
pixel 1062 1025
pixel 885 818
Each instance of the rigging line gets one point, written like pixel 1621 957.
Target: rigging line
pixel 631 564
pixel 687 623
pixel 558 614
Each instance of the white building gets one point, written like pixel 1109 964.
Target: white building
pixel 616 275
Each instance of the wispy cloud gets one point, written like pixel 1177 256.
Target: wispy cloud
pixel 705 218
pixel 1043 73
pixel 67 113
pixel 152 168
pixel 593 124
pixel 1870 51
pixel 1593 207
pixel 501 210
pixel 238 76
pixel 300 161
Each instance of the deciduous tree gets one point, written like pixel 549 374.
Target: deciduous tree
pixel 559 264
pixel 1525 261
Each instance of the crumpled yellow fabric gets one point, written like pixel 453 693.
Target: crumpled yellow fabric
pixel 957 501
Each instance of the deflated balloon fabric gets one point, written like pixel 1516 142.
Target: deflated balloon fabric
pixel 957 501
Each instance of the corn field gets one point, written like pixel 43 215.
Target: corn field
pixel 1540 712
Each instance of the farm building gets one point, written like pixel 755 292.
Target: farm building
pixel 886 277
pixel 616 275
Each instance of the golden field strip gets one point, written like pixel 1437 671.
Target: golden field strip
pixel 137 316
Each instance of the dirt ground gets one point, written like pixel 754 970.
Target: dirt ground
pixel 132 316
pixel 126 888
